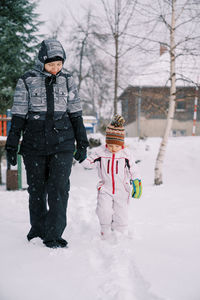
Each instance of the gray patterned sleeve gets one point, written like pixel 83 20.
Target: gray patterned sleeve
pixel 20 103
pixel 74 102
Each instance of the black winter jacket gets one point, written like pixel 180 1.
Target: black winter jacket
pixel 46 109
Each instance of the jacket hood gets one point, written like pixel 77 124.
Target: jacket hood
pixel 49 48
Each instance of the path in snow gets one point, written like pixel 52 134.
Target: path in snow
pixel 112 260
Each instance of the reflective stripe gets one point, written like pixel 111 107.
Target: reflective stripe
pixel 108 166
pixel 112 172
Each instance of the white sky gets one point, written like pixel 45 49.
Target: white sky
pixel 51 11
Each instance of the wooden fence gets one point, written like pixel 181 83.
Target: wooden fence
pixel 5 122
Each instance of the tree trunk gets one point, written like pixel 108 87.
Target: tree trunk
pixel 172 101
pixel 80 65
pixel 116 73
pixel 116 38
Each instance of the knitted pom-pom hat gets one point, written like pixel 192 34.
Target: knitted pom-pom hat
pixel 115 131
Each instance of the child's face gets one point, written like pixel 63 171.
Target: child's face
pixel 53 67
pixel 114 148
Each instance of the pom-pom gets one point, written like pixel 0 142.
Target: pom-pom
pixel 117 121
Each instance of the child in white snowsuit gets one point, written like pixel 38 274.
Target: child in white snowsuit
pixel 116 167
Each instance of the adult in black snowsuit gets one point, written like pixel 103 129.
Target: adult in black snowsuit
pixel 47 112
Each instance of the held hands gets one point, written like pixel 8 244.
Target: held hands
pixel 80 154
pixel 12 157
pixel 137 188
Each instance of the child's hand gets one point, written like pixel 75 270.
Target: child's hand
pixel 137 188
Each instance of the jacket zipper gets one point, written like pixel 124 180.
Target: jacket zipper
pixel 112 173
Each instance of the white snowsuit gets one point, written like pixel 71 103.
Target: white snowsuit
pixel 115 171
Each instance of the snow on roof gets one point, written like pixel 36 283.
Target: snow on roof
pixel 89 117
pixel 158 72
pixel 88 125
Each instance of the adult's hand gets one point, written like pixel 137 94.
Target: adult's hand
pixel 80 154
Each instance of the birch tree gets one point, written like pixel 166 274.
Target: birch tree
pixel 160 157
pixel 174 24
pixel 178 28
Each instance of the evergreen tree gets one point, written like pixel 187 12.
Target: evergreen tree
pixel 18 43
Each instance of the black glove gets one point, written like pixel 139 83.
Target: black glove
pixel 12 157
pixel 17 125
pixel 79 130
pixel 80 154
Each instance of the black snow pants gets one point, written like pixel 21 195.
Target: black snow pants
pixel 48 188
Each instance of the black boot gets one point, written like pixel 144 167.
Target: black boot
pixel 33 234
pixel 51 244
pixel 59 243
pixel 63 243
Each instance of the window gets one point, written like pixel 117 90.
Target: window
pixel 178 132
pixel 180 105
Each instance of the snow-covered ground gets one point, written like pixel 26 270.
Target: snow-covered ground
pixel 159 260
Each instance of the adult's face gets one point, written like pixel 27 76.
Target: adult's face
pixel 53 67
